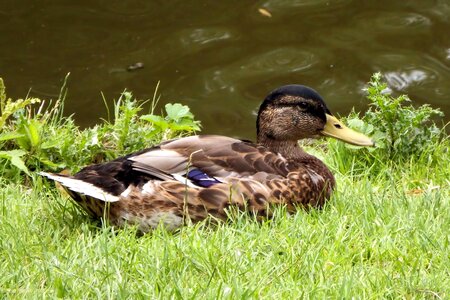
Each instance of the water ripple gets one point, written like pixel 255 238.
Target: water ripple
pixel 280 60
pixel 306 6
pixel 202 36
pixel 257 68
pixel 403 73
pixel 401 22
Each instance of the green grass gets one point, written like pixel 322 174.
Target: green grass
pixel 384 233
pixel 381 237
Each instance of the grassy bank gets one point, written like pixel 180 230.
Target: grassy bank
pixel 384 234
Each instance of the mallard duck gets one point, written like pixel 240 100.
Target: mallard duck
pixel 193 177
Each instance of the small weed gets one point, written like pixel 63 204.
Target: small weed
pixel 178 118
pixel 400 128
pixel 402 132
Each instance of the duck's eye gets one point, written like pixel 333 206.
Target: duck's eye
pixel 303 105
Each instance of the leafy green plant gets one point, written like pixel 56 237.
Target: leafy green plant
pixel 401 131
pixel 125 114
pixel 43 138
pixel 15 158
pixel 400 128
pixel 8 107
pixel 178 118
pixel 24 135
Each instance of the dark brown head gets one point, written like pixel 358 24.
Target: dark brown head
pixel 293 112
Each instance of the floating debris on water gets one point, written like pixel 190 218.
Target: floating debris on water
pixel 265 12
pixel 136 66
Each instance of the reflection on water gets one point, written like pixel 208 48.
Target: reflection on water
pixel 222 58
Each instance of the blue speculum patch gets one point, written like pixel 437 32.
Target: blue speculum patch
pixel 201 179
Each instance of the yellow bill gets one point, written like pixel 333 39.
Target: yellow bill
pixel 334 128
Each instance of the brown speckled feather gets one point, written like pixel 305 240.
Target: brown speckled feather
pixel 217 156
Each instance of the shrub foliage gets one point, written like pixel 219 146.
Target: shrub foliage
pixel 36 138
pixel 402 132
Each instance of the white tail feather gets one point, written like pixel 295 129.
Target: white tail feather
pixel 80 186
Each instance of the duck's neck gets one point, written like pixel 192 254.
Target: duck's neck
pixel 293 152
pixel 288 149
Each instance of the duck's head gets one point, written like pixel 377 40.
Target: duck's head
pixel 294 112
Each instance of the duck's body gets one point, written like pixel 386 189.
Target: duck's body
pixel 193 177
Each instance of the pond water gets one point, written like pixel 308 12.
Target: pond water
pixel 222 57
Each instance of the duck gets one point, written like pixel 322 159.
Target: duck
pixel 190 179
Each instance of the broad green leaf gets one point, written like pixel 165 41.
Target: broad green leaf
pixel 177 111
pixel 10 153
pixel 33 132
pixel 14 157
pixel 180 127
pixel 156 120
pixel 191 124
pixel 18 162
pixel 10 136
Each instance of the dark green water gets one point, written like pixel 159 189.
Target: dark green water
pixel 222 57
